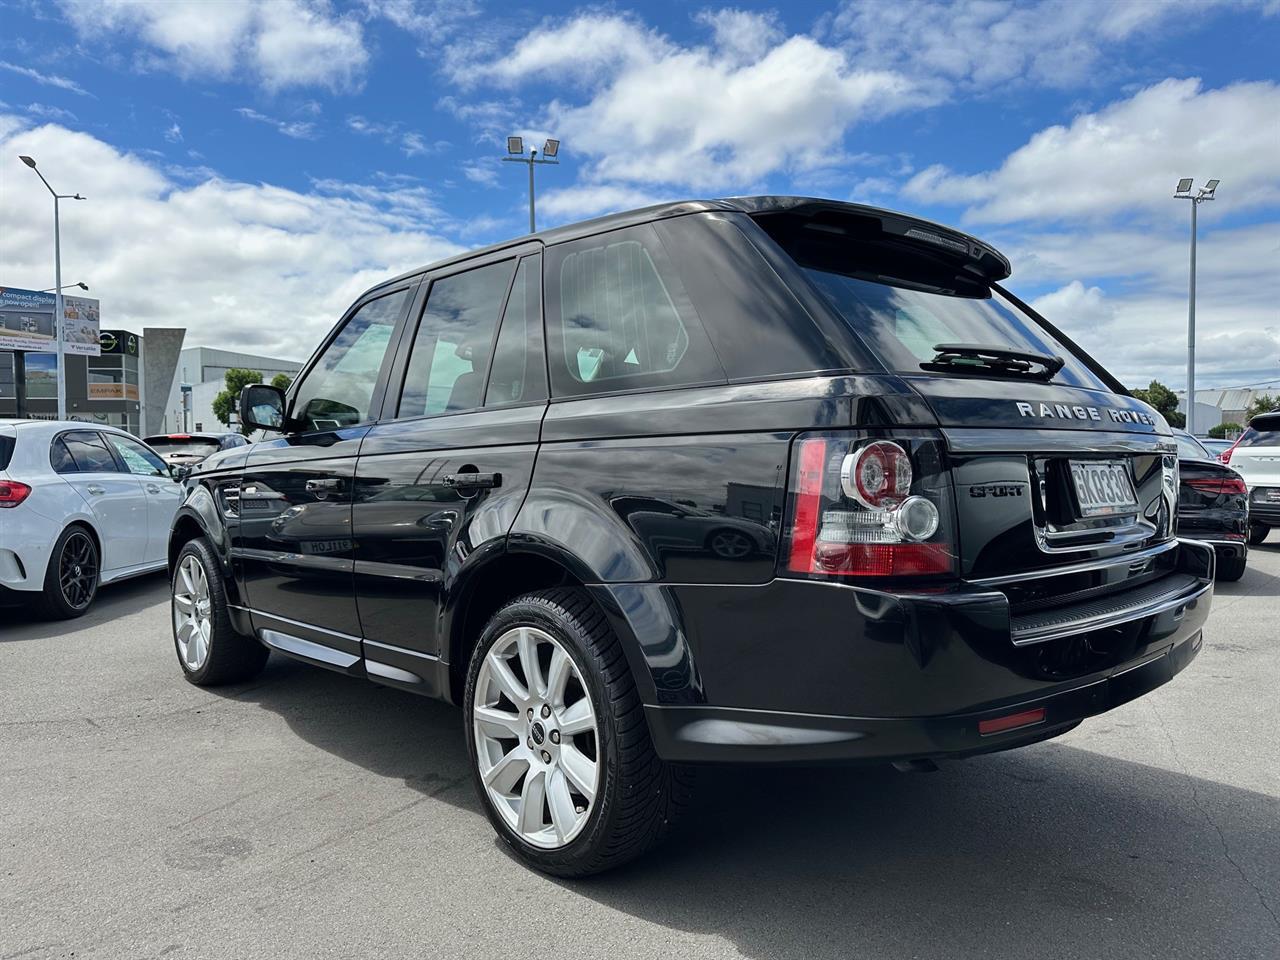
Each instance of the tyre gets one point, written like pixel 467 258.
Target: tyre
pixel 210 651
pixel 559 747
pixel 71 579
pixel 1257 533
pixel 1231 569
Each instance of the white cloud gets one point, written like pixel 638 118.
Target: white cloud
pixel 46 112
pixel 283 43
pixel 978 44
pixel 250 266
pixel 174 133
pixel 1129 155
pixel 45 79
pixel 410 142
pixel 483 171
pixel 297 129
pixel 574 203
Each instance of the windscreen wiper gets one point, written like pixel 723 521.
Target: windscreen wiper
pixel 955 357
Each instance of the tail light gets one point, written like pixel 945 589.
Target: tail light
pixel 12 493
pixel 868 507
pixel 1226 454
pixel 1217 486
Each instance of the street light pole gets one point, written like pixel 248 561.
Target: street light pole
pixel 515 147
pixel 58 314
pixel 1183 192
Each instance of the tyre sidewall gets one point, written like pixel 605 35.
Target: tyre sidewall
pixel 531 612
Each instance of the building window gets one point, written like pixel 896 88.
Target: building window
pixel 8 389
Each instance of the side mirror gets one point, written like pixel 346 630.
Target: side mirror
pixel 262 406
pixel 181 473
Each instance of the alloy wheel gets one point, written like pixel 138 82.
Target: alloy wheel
pixel 192 612
pixel 537 739
pixel 78 570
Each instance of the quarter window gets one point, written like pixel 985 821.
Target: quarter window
pixel 621 319
pixel 454 341
pixel 338 390
pixel 89 453
pixel 519 370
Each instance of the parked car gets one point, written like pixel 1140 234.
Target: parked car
pixel 191 449
pixel 80 506
pixel 1215 447
pixel 1213 505
pixel 949 531
pixel 1256 457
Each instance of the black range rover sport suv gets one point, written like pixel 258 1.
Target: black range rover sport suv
pixel 757 480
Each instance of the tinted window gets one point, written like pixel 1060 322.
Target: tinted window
pixel 903 301
pixel 1253 437
pixel 137 458
pixel 338 390
pixel 452 346
pixel 619 318
pixel 758 327
pixel 519 370
pixel 187 446
pixel 6 451
pixel 89 453
pixel 60 458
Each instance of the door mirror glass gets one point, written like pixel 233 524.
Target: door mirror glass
pixel 262 406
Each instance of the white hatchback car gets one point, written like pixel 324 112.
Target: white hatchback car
pixel 1256 457
pixel 80 505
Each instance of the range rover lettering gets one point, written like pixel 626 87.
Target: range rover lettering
pixel 760 480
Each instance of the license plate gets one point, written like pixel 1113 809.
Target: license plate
pixel 1103 488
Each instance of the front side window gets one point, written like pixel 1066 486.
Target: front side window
pixel 338 390
pixel 88 452
pixel 137 459
pixel 454 340
pixel 619 318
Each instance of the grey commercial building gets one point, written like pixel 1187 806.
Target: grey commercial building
pixel 201 376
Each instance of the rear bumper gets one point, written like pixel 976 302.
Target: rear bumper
pixel 916 675
pixel 1261 511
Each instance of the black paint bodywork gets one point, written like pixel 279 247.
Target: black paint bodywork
pixel 346 548
pixel 1218 519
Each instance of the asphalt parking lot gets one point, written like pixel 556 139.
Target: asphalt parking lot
pixel 308 815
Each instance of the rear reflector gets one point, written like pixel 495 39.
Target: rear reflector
pixel 12 493
pixel 1012 721
pixel 808 503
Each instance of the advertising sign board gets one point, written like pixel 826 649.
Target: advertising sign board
pixel 26 322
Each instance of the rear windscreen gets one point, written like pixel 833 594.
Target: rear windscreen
pixel 1269 436
pixel 188 446
pixel 903 302
pixel 6 451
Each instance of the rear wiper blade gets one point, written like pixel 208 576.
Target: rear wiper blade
pixel 994 359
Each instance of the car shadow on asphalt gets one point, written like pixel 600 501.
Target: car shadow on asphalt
pixel 25 622
pixel 1051 850
pixel 1254 582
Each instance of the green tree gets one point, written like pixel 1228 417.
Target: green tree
pixel 282 380
pixel 1222 430
pixel 1164 400
pixel 1263 404
pixel 224 404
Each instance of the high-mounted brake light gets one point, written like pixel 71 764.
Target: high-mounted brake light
pixel 862 508
pixel 13 493
pixel 1217 486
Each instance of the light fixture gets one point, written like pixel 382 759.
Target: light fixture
pixel 1209 187
pixel 551 148
pixel 515 145
pixel 28 161
pixel 1184 185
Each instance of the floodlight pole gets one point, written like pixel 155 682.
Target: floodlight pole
pixel 530 160
pixel 58 314
pixel 1205 193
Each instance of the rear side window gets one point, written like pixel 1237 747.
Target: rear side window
pixel 518 373
pixel 89 453
pixel 618 318
pixel 6 451
pixel 454 340
pixel 60 458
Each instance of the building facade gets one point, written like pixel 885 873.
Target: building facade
pixel 201 376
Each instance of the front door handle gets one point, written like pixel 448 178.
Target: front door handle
pixel 473 481
pixel 96 490
pixel 152 488
pixel 324 485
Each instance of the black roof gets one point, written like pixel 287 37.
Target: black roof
pixel 754 206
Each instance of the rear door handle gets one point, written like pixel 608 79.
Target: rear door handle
pixel 473 481
pixel 96 490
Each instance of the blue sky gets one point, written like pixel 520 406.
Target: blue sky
pixel 251 166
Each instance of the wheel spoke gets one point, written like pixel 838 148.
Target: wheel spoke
pixel 580 769
pixel 529 819
pixel 499 723
pixel 558 675
pixel 527 644
pixel 185 571
pixel 183 603
pixel 500 670
pixel 502 776
pixel 563 815
pixel 578 718
pixel 184 632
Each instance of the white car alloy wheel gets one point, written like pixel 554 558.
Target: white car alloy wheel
pixel 192 612
pixel 536 736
